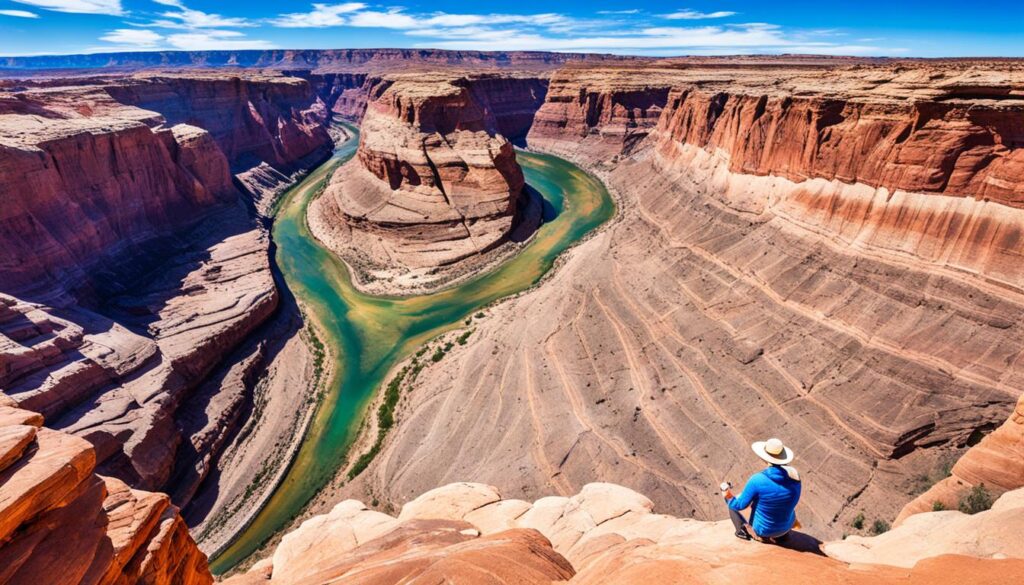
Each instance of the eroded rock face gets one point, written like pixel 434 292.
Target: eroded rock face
pixel 433 182
pixel 610 534
pixel 997 463
pixel 875 328
pixel 135 268
pixel 609 110
pixel 62 523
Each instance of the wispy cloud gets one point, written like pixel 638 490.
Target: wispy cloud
pixel 208 40
pixel 109 7
pixel 322 15
pixel 631 31
pixel 187 18
pixel 186 29
pixel 133 37
pixel 19 13
pixel 696 15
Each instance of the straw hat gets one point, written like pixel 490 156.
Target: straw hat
pixel 773 451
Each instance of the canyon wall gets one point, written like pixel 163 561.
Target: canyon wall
pixel 63 524
pixel 254 119
pixel 995 464
pixel 602 111
pixel 770 275
pixel 327 60
pixel 434 181
pixel 138 306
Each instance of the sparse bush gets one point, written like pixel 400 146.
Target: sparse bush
pixel 438 355
pixel 938 506
pixel 858 521
pixel 978 499
pixel 879 527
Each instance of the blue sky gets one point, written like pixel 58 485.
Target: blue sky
pixel 863 27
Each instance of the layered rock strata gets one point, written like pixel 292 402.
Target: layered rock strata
pixel 63 524
pixel 762 280
pixel 269 127
pixel 433 183
pixel 609 534
pixel 136 268
pixel 995 464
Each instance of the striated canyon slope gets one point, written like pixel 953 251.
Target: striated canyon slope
pixel 435 180
pixel 63 524
pixel 138 307
pixel 825 252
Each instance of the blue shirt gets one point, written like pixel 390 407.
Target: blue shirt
pixel 772 497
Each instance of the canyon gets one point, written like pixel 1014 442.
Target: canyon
pixel 139 305
pixel 752 285
pixel 827 250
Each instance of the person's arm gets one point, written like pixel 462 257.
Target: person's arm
pixel 742 501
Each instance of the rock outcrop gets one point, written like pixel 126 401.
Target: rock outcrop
pixel 434 182
pixel 763 279
pixel 995 464
pixel 133 266
pixel 61 523
pixel 606 111
pixel 609 534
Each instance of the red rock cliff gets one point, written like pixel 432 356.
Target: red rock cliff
pixel 60 523
pixel 434 181
pixel 254 119
pixel 134 269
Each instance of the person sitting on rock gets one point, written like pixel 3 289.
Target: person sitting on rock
pixel 771 495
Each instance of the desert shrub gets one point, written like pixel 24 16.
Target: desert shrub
pixel 978 499
pixel 938 506
pixel 858 521
pixel 880 526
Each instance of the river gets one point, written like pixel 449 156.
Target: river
pixel 368 335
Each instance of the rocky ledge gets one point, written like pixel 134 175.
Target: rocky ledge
pixel 60 523
pixel 467 532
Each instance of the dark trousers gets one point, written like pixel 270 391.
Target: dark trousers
pixel 738 521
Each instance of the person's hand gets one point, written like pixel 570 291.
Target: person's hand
pixel 725 486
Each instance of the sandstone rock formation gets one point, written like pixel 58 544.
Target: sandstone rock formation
pixel 134 268
pixel 759 282
pixel 997 463
pixel 434 182
pixel 61 523
pixel 607 534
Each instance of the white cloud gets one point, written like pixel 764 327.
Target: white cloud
pixel 133 37
pixel 633 11
pixel 186 18
pixel 322 15
pixel 355 14
pixel 109 7
pixel 212 40
pixel 745 38
pixel 695 15
pixel 19 13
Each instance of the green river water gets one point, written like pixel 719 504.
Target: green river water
pixel 367 335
